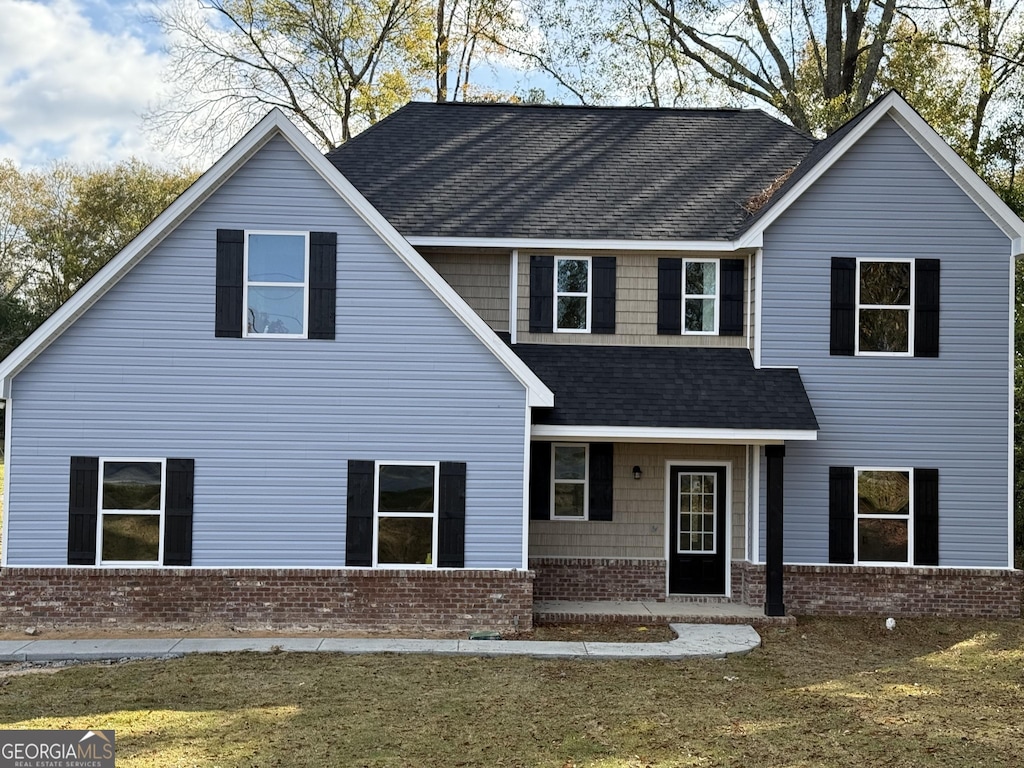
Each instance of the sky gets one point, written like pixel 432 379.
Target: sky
pixel 75 78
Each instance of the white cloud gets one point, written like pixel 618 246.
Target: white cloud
pixel 74 81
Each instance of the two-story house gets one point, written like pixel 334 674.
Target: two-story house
pixel 483 355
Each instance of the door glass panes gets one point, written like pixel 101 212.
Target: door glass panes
pixel 696 504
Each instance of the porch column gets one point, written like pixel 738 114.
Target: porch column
pixel 773 604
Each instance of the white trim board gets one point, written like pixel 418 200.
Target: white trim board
pixel 274 124
pixel 670 434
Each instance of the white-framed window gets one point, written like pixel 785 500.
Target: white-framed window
pixel 884 509
pixel 700 296
pixel 130 523
pixel 573 278
pixel 570 481
pixel 885 307
pixel 276 284
pixel 405 506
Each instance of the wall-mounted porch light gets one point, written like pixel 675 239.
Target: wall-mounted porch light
pixel 637 473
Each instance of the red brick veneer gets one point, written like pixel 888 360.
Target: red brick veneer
pixel 572 578
pixel 434 600
pixel 843 590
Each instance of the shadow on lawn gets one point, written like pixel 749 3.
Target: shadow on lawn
pixel 824 692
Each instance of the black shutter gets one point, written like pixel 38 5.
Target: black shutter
pixel 601 469
pixel 841 522
pixel 603 302
pixel 730 310
pixel 82 501
pixel 451 523
pixel 230 250
pixel 926 308
pixel 844 309
pixel 359 515
pixel 542 294
pixel 540 481
pixel 181 475
pixel 926 517
pixel 670 296
pixel 323 279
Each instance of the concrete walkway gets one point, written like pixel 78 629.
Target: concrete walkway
pixel 693 641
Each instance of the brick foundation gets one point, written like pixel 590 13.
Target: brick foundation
pixel 572 578
pixel 429 600
pixel 838 590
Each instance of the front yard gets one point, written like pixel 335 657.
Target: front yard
pixel 823 693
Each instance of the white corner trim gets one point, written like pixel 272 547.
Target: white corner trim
pixel 758 303
pixel 670 434
pixel 526 490
pixel 513 298
pixel 5 523
pixel 275 123
pixel 573 244
pixel 1010 506
pixel 925 137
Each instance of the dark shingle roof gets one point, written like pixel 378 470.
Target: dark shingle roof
pixel 498 170
pixel 695 387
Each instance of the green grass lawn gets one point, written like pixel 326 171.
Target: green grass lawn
pixel 822 693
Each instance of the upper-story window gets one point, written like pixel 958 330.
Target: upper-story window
pixel 885 316
pixel 572 295
pixel 700 296
pixel 276 284
pixel 885 307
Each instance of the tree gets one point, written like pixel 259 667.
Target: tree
pixel 58 227
pixel 332 65
pixel 759 50
pixel 989 35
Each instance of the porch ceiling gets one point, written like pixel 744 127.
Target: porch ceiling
pixel 678 394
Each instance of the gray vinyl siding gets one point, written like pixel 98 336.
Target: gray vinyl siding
pixel 270 423
pixel 886 198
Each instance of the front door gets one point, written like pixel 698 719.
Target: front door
pixel 696 548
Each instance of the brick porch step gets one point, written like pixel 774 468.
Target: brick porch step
pixel 676 611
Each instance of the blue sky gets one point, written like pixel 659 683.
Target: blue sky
pixel 76 76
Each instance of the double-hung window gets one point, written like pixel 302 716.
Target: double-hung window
pixel 572 295
pixel 570 481
pixel 131 506
pixel 885 316
pixel 700 296
pixel 884 508
pixel 276 283
pixel 406 519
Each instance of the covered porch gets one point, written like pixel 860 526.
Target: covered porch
pixel 683 488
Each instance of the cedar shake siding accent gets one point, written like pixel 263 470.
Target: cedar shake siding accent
pixel 887 199
pixel 270 423
pixel 480 278
pixel 636 306
pixel 637 528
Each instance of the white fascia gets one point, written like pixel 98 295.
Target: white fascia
pixel 275 123
pixel 574 244
pixel 671 434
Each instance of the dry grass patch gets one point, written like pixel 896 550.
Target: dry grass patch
pixel 823 693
